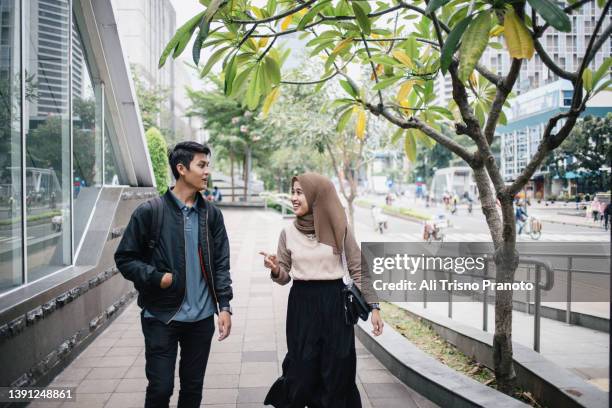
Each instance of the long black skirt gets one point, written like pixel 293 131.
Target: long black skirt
pixel 320 366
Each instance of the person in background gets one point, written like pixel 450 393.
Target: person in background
pixel 595 209
pixel 607 213
pixel 216 194
pixel 520 217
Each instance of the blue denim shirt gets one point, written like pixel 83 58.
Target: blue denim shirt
pixel 197 304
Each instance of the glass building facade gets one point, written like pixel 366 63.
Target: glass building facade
pixel 56 144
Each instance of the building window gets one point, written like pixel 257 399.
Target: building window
pixel 47 148
pixel 87 136
pixel 567 98
pixel 11 234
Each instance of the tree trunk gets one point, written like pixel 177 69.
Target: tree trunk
pixel 231 157
pixel 506 261
pixel 245 179
pixel 503 233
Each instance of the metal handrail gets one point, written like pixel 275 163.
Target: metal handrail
pixel 547 285
pixel 280 199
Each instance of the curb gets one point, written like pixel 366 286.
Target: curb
pixel 572 223
pixel 433 380
pixel 551 384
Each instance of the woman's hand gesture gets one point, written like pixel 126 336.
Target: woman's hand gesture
pixel 271 262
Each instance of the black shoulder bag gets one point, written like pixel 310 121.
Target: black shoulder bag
pixel 355 306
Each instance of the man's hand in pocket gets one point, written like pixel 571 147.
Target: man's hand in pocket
pixel 166 280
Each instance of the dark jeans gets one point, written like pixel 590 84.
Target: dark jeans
pixel 161 341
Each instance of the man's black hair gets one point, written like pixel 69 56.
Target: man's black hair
pixel 183 153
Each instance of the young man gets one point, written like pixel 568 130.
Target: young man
pixel 183 279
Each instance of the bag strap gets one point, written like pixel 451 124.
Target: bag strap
pixel 157 216
pixel 347 276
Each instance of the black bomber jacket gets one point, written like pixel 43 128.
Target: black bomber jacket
pixel 169 256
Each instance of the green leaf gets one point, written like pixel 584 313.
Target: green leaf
pixel 253 95
pixel 425 140
pixel 212 9
pixel 348 88
pixel 188 27
pixel 239 81
pixel 496 45
pixel 442 111
pixel 308 17
pixel 384 60
pixel 273 70
pixel 587 79
pixel 271 7
pixel 362 19
pixel 434 5
pixel 604 86
pixel 214 58
pixel 450 45
pixel 474 42
pixel 602 70
pixel 397 135
pixel 344 118
pixel 200 38
pixel 385 83
pixel 410 146
pixel 264 81
pixel 411 47
pixel 230 75
pixel 552 14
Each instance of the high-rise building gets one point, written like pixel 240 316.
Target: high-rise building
pixel 145 27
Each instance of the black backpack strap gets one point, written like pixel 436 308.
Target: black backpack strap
pixel 157 216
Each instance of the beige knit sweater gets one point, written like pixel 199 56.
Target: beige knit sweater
pixel 303 258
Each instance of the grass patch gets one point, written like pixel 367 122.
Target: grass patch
pixel 401 211
pixel 32 218
pixel 420 333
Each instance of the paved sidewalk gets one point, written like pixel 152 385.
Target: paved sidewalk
pixel 110 372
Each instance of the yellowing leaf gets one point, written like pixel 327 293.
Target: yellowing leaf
pixel 473 79
pixel 262 42
pixel 410 146
pixel 342 45
pixel 518 39
pixel 379 71
pixel 270 99
pixel 497 30
pixel 286 22
pixel 402 57
pixel 403 92
pixel 361 122
pixel 404 104
pixel 257 12
pixel 302 12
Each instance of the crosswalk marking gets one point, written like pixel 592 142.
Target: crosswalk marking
pixel 482 237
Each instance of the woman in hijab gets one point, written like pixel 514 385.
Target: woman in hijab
pixel 320 366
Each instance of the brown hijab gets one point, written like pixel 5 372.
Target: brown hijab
pixel 326 217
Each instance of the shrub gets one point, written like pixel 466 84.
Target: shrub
pixel 158 151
